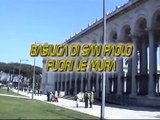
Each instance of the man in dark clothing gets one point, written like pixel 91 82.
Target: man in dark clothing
pixel 48 95
pixel 86 99
pixel 91 99
pixel 38 92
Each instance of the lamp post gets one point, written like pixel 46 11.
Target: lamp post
pixel 104 74
pixel 20 71
pixel 33 83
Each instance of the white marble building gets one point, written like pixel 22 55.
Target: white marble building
pixel 137 21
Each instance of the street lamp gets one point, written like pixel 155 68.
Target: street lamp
pixel 20 71
pixel 104 74
pixel 33 83
pixel 33 77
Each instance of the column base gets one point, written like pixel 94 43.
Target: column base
pixel 133 94
pixel 119 93
pixel 151 95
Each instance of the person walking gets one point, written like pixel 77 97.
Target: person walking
pixel 48 95
pixel 86 100
pixel 91 98
pixel 77 100
pixel 56 96
pixel 53 97
pixel 38 92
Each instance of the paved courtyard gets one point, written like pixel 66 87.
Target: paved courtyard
pixel 111 111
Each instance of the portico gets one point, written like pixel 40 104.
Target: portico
pixel 137 79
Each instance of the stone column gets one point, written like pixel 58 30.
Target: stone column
pixel 143 82
pixel 107 84
pixel 63 81
pixel 79 82
pixel 114 82
pixel 68 83
pixel 82 76
pixel 127 82
pixel 89 82
pixel 44 76
pixel 120 74
pixel 152 63
pixel 46 82
pixel 70 80
pixel 58 79
pixel 51 80
pixel 66 79
pixel 129 73
pixel 75 83
pixel 61 74
pixel 143 62
pixel 86 83
pixel 55 80
pixel 134 66
pixel 97 85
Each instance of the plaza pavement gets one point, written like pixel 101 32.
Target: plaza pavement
pixel 111 111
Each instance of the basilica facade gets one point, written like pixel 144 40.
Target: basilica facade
pixel 137 79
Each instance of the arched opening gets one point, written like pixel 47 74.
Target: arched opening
pixel 125 33
pixel 142 77
pixel 113 77
pixel 125 37
pixel 156 28
pixel 113 36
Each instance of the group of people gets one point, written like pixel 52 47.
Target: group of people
pixel 38 92
pixel 52 96
pixel 88 99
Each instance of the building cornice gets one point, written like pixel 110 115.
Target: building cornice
pixel 116 13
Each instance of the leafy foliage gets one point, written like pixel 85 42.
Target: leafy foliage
pixel 26 69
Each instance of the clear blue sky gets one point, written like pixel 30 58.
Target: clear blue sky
pixel 23 22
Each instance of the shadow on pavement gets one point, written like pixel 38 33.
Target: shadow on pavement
pixel 129 107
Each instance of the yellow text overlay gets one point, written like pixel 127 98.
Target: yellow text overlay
pixel 82 50
pixel 81 57
pixel 83 65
